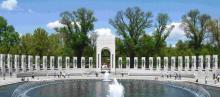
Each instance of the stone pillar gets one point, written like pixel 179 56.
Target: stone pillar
pixel 120 62
pixel 16 63
pixel 67 63
pixel 143 62
pixel 2 63
pixel 128 62
pixel 90 62
pixel 173 63
pixel 52 62
pixel 187 63
pixel 158 63
pixel 151 63
pixel 37 63
pixel 215 62
pixel 30 62
pixel 23 63
pixel 207 62
pixel 180 63
pixel 200 63
pixel 135 62
pixel 166 64
pixel 74 62
pixel 9 65
pixel 44 62
pixel 83 62
pixel 60 63
pixel 193 63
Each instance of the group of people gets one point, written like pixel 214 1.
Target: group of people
pixel 61 74
pixel 176 76
pixel 216 77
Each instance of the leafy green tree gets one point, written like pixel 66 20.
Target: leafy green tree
pixel 3 25
pixel 146 45
pixel 40 42
pixel 9 38
pixel 162 32
pixel 194 25
pixel 183 49
pixel 120 47
pixel 56 45
pixel 92 45
pixel 75 32
pixel 27 44
pixel 214 28
pixel 130 25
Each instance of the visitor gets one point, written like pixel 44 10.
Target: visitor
pixel 22 79
pixel 96 74
pixel 10 74
pixel 3 76
pixel 180 76
pixel 175 76
pixel 218 77
pixel 68 75
pixel 64 75
pixel 205 79
pixel 213 76
pixel 32 75
pixel 197 80
pixel 60 74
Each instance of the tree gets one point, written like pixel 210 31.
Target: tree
pixel 183 49
pixel 27 46
pixel 9 38
pixel 75 32
pixel 120 47
pixel 146 44
pixel 131 25
pixel 214 28
pixel 162 32
pixel 92 44
pixel 40 42
pixel 194 25
pixel 3 25
pixel 55 45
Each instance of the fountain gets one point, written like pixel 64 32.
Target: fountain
pixel 116 89
pixel 106 76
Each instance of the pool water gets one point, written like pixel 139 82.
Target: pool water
pixel 6 91
pixel 98 88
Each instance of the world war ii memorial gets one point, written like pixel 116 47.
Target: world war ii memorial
pixel 109 48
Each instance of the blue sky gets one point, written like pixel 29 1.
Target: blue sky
pixel 26 15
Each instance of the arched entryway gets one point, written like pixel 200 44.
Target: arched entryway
pixel 105 59
pixel 105 52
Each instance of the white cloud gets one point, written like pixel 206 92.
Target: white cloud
pixel 176 34
pixel 9 4
pixel 104 31
pixel 55 24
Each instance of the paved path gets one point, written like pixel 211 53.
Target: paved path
pixel 11 80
